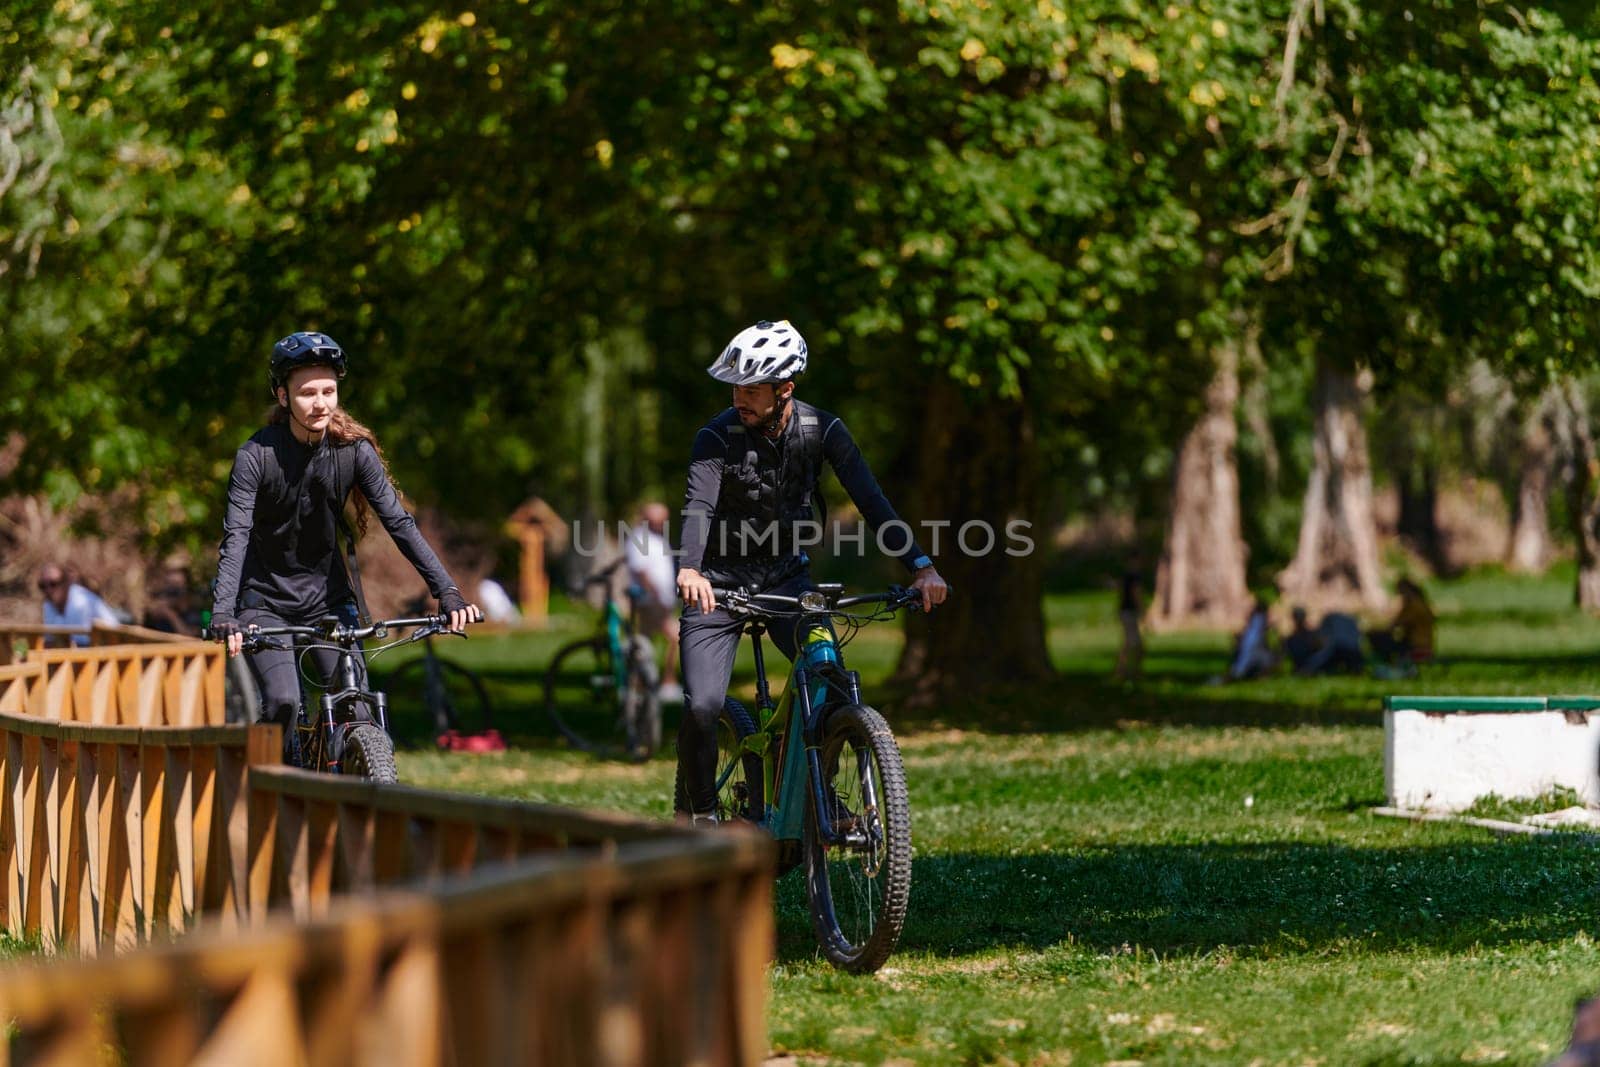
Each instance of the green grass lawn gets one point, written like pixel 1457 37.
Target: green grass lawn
pixel 1168 872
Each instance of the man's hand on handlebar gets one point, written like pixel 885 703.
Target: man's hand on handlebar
pixel 695 588
pixel 933 588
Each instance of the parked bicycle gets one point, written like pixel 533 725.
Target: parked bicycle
pixel 821 772
pixel 601 691
pixel 350 733
pixel 453 696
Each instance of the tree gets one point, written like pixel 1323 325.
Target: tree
pixel 1477 208
pixel 1530 547
pixel 1194 579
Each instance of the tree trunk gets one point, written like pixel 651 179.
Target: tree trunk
pixel 1530 549
pixel 1583 503
pixel 1201 576
pixel 1417 485
pixel 1337 556
pixel 980 474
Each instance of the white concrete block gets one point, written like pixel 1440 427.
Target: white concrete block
pixel 1445 760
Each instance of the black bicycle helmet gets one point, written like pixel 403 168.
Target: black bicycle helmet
pixel 304 349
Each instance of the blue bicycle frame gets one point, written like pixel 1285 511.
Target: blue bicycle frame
pixel 788 735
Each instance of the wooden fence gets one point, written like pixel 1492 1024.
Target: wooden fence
pixel 18 639
pixel 125 678
pixel 654 954
pixel 111 836
pixel 336 921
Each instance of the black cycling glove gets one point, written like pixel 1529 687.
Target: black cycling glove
pixel 451 601
pixel 222 629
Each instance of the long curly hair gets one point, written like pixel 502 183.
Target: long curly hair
pixel 346 430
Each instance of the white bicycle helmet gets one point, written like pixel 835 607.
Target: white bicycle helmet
pixel 766 352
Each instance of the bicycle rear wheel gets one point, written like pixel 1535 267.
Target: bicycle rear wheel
pixel 582 698
pixel 642 702
pixel 858 888
pixel 457 700
pixel 368 753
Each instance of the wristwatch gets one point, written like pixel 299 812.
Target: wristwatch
pixel 921 562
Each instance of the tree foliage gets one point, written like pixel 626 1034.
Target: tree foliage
pixel 1052 208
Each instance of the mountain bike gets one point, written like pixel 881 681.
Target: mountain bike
pixel 821 772
pixel 350 734
pixel 600 691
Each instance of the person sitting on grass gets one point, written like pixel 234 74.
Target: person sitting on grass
pixel 1408 639
pixel 1253 655
pixel 1334 646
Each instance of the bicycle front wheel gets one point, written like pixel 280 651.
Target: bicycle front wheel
pixel 368 753
pixel 582 699
pixel 858 886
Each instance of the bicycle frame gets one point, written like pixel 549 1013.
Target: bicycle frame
pixel 616 630
pixel 349 691
pixel 788 736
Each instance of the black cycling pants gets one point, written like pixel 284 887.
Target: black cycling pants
pixel 278 671
pixel 707 646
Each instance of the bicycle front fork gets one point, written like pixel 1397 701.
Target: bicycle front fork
pixel 333 729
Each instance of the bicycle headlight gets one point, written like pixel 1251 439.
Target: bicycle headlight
pixel 813 601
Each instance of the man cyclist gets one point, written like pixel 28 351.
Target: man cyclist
pixel 752 477
pixel 280 562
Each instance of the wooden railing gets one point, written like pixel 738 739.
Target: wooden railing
pixel 335 921
pixel 111 836
pixel 127 678
pixel 178 683
pixel 17 687
pixel 120 633
pixel 18 639
pixel 651 955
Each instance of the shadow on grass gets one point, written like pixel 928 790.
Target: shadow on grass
pixel 1079 701
pixel 1272 899
pixel 1583 665
pixel 517 712
pixel 1073 702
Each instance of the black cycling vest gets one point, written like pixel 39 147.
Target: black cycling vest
pixel 747 497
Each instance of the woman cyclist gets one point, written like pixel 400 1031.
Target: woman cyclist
pixel 280 561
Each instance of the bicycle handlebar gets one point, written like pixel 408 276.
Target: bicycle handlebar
pixel 338 633
pixel 738 601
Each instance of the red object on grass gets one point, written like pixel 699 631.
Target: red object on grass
pixel 488 741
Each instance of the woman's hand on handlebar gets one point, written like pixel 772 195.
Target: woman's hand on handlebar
pixel 461 616
pixel 229 634
pixel 453 604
